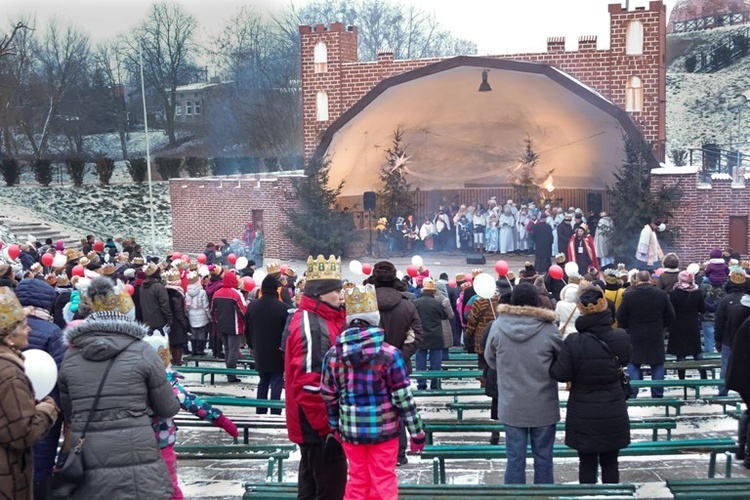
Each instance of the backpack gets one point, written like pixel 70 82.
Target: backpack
pixel 712 295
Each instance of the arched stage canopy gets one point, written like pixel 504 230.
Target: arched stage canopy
pixel 457 137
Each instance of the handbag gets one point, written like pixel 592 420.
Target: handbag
pixel 72 471
pixel 627 389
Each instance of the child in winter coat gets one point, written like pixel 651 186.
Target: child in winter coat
pixel 717 271
pixel 366 390
pixel 165 428
pixel 198 308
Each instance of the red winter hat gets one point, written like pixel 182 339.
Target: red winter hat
pixel 230 280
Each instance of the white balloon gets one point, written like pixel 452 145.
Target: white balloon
pixel 571 269
pixel 399 275
pixel 258 277
pixel 41 370
pixel 417 261
pixel 355 266
pixel 693 268
pixel 59 261
pixel 484 285
pixel 241 263
pixel 203 271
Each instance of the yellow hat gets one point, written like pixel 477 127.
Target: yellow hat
pixel 11 311
pixel 322 269
pixel 360 300
pixel 273 267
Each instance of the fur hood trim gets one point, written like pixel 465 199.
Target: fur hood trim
pixel 533 312
pixel 106 322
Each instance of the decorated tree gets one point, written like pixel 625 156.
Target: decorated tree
pixel 633 204
pixel 395 198
pixel 315 222
pixel 526 180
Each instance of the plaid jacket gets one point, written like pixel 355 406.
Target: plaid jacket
pixel 366 388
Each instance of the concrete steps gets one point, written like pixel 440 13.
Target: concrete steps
pixel 22 229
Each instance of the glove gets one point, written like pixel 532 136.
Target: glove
pixel 227 425
pixel 417 444
pixel 332 448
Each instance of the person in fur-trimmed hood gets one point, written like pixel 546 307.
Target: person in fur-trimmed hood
pixel 668 278
pixel 717 270
pixel 120 453
pixel 521 346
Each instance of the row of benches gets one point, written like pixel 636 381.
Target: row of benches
pixel 682 489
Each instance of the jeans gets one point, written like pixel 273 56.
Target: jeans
pixel 436 364
pixel 708 335
pixel 657 373
pixel 589 463
pixel 542 442
pixel 726 352
pixel 274 380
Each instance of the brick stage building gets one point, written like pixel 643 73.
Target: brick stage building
pixel 711 214
pixel 350 108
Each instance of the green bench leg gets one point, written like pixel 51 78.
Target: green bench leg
pixel 246 435
pixel 435 471
pixel 428 437
pixel 213 382
pixel 442 471
pixel 269 472
pixel 655 435
pixel 728 465
pixel 669 434
pixel 281 469
pixel 712 465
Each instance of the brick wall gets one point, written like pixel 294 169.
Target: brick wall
pixel 209 209
pixel 703 215
pixel 606 71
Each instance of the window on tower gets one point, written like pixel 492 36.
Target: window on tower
pixel 320 57
pixel 321 105
pixel 634 39
pixel 634 95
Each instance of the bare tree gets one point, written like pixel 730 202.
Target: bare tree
pixel 15 68
pixel 166 39
pixel 110 66
pixel 59 62
pixel 7 40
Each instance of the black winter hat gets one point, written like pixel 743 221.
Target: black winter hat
pixel 316 288
pixel 270 284
pixel 525 294
pixel 384 273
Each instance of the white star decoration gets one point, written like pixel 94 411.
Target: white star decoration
pixel 401 161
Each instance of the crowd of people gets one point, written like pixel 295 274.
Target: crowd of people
pixel 118 324
pixel 511 228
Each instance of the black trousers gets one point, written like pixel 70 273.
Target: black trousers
pixel 320 478
pixel 590 462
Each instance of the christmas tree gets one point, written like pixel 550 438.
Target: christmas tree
pixel 395 198
pixel 527 182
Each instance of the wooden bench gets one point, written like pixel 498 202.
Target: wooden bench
pixel 686 384
pixel 439 454
pixel 689 489
pixel 283 491
pixel 242 423
pixel 244 402
pixel 197 360
pixel 212 371
pixel 449 426
pixel 724 401
pixel 667 403
pixel 275 454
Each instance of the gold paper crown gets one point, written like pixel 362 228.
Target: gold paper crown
pixel 361 300
pixel 180 264
pixel 84 261
pixel 50 279
pixel 123 256
pixel 460 277
pixel 138 261
pixel 36 268
pixel 476 272
pixel 63 280
pixel 322 269
pixel 428 285
pixel 92 255
pixel 11 312
pixel 273 266
pixel 117 300
pixel 108 269
pixel 73 254
pixel 172 275
pixel 193 278
pixel 150 269
pixel 193 266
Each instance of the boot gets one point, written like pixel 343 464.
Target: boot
pixel 495 438
pixel 742 435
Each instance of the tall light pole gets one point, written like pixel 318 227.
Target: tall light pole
pixel 148 154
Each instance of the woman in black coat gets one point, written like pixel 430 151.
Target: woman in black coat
pixel 685 330
pixel 597 423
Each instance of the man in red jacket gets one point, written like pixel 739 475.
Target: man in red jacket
pixel 312 331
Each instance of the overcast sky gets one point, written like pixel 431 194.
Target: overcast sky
pixel 497 26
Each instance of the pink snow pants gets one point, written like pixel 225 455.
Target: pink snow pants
pixel 170 458
pixel 372 471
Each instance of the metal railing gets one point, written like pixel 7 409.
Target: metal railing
pixel 721 54
pixel 710 22
pixel 714 160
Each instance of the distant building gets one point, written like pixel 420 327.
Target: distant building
pixel 193 103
